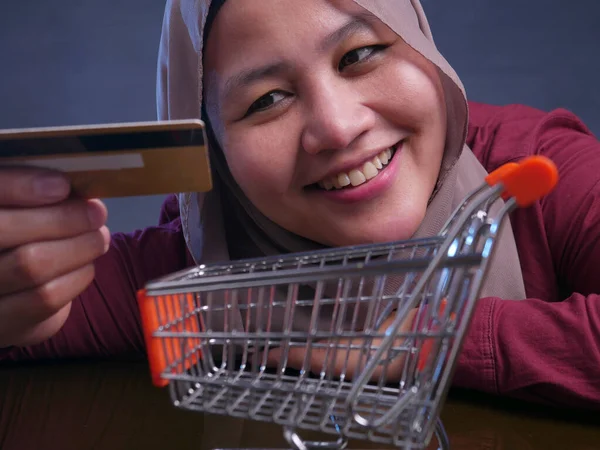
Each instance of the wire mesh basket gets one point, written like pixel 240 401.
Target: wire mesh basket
pixel 356 342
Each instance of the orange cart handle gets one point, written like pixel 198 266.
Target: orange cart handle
pixel 163 352
pixel 526 181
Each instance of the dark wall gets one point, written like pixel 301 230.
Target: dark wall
pixel 544 53
pixel 88 61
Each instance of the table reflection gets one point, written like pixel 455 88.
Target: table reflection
pixel 113 406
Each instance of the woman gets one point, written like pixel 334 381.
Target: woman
pixel 344 125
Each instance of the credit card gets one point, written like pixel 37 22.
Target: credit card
pixel 117 160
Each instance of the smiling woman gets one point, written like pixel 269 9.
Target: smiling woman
pixel 332 123
pixel 319 128
pixel 324 102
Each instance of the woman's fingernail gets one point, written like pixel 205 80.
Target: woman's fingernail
pixel 51 186
pixel 96 214
pixel 106 235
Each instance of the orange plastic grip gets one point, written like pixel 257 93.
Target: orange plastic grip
pixel 494 177
pixel 163 351
pixel 533 178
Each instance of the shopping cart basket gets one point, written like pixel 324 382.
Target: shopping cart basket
pixel 322 340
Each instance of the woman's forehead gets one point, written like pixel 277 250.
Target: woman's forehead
pixel 247 33
pixel 242 22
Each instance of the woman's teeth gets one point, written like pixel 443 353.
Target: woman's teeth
pixel 358 176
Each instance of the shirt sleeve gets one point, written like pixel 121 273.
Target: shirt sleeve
pixel 104 321
pixel 543 349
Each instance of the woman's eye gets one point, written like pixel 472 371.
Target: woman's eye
pixel 358 55
pixel 266 101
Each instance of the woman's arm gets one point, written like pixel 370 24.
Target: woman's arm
pixel 535 350
pixel 104 320
pixel 548 349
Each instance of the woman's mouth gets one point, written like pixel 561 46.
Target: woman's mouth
pixel 359 175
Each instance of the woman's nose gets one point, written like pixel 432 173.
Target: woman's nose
pixel 336 117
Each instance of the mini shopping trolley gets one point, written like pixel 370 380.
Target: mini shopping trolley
pixel 356 343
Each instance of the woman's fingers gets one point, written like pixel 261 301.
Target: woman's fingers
pixel 40 331
pixel 22 314
pixel 32 187
pixel 339 358
pixel 48 244
pixel 35 264
pixel 67 219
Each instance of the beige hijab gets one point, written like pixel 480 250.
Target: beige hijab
pixel 179 96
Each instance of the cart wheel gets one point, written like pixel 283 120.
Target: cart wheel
pixel 442 437
pixel 298 443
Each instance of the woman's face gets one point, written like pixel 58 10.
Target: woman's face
pixel 332 125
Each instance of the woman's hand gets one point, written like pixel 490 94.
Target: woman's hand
pixel 48 243
pixel 336 362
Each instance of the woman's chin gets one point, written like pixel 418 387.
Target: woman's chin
pixel 378 236
pixel 333 230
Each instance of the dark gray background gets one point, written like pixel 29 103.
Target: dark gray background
pixel 68 62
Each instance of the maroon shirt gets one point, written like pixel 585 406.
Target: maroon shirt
pixel 545 348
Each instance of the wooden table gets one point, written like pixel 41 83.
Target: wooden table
pixel 113 406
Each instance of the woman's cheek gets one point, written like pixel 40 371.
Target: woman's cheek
pixel 419 93
pixel 259 168
pixel 410 84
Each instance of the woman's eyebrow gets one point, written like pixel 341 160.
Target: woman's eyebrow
pixel 246 77
pixel 357 22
